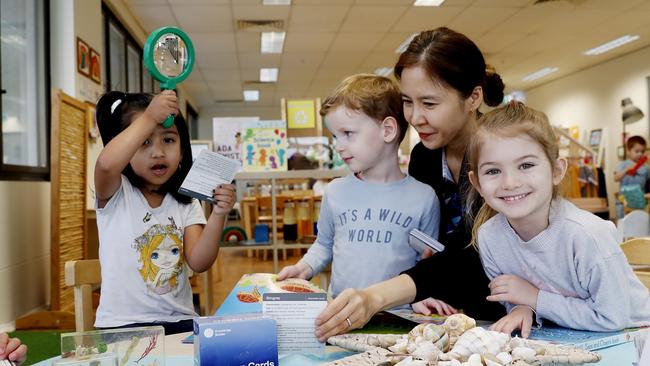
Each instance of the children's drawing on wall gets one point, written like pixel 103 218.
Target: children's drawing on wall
pixel 265 146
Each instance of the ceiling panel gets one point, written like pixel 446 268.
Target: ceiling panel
pixel 307 41
pixel 355 42
pixel 198 18
pixel 329 39
pixel 466 23
pixel 417 19
pixel 153 17
pixel 222 42
pixel 260 12
pixel 317 18
pixel 372 18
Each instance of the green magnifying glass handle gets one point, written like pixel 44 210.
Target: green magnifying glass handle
pixel 169 121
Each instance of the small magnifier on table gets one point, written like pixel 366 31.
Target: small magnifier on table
pixel 169 57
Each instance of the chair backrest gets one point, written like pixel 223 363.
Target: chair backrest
pixel 82 275
pixel 634 225
pixel 637 252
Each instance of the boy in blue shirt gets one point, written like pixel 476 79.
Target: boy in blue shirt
pixel 366 217
pixel 633 172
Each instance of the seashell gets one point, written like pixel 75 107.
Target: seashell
pixel 457 324
pixel 524 353
pixel 491 360
pixel 452 362
pixel 409 361
pixel 427 351
pixel 477 340
pixel 474 360
pixel 504 357
pixel 400 346
pixel 383 340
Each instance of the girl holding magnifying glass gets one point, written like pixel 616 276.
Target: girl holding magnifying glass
pixel 149 234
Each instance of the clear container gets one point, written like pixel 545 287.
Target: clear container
pixel 289 224
pixel 304 219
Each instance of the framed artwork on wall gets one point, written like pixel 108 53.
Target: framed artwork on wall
pixel 95 66
pixel 83 57
pixel 595 136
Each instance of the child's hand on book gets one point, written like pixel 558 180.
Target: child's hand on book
pixel 521 317
pixel 11 349
pixel 224 196
pixel 513 289
pixel 298 270
pixel 427 305
pixel 162 105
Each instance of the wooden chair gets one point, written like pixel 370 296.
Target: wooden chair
pixel 83 275
pixel 637 252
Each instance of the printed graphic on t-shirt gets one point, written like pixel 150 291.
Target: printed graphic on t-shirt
pixel 381 219
pixel 161 257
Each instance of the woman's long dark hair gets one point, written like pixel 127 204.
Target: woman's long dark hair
pixel 112 120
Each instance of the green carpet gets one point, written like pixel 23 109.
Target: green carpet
pixel 41 344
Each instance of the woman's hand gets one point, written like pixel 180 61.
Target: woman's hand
pixel 224 196
pixel 521 317
pixel 11 349
pixel 162 105
pixel 298 270
pixel 427 305
pixel 513 289
pixel 351 309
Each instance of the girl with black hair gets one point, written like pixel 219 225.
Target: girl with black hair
pixel 150 236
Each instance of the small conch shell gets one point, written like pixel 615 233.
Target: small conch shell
pixel 456 325
pixel 400 346
pixel 474 360
pixel 477 340
pixel 491 360
pixel 427 351
pixel 430 333
pixel 504 357
pixel 524 353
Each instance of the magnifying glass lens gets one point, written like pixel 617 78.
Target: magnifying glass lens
pixel 170 55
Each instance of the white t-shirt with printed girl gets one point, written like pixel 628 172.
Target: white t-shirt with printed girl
pixel 144 274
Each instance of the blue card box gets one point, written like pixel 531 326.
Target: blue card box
pixel 249 340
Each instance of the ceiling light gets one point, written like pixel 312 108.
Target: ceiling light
pixel 384 71
pixel 428 2
pixel 402 47
pixel 276 2
pixel 540 73
pixel 611 45
pixel 272 42
pixel 269 75
pixel 251 95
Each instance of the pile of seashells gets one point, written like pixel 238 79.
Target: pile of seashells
pixel 457 342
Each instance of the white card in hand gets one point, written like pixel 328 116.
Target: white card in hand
pixel 208 170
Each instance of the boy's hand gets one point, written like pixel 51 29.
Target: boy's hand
pixel 513 289
pixel 298 270
pixel 425 306
pixel 520 317
pixel 11 349
pixel 224 196
pixel 162 106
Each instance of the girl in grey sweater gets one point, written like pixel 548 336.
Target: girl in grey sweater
pixel 546 258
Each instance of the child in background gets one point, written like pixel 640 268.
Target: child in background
pixel 11 349
pixel 149 234
pixel 543 255
pixel 633 173
pixel 366 217
pixel 633 170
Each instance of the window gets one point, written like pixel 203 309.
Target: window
pixel 192 122
pixel 124 65
pixel 25 85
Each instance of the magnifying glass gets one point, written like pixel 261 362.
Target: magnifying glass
pixel 169 57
